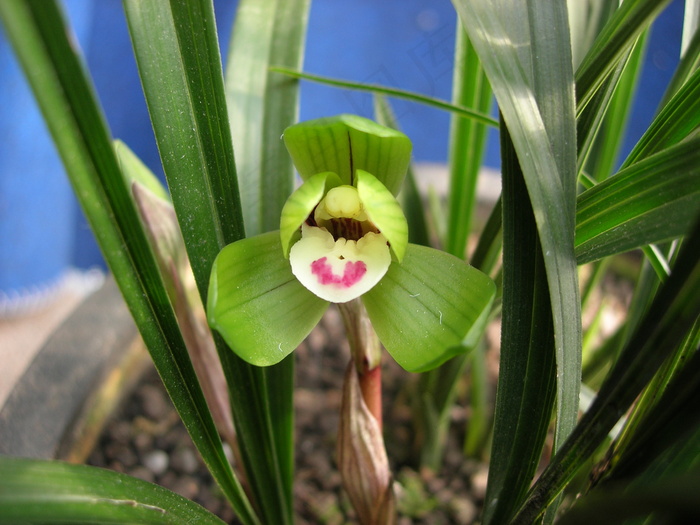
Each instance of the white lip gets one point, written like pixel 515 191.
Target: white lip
pixel 342 270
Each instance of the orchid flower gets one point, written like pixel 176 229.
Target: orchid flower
pixel 344 237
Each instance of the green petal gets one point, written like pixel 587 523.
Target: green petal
pixel 425 308
pixel 345 143
pixel 301 203
pixel 256 304
pixel 384 211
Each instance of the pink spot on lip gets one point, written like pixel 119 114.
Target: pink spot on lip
pixel 352 273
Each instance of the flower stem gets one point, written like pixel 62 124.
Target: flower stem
pixel 366 353
pixel 371 387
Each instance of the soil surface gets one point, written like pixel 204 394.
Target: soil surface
pixel 146 439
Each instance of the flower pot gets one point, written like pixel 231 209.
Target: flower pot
pixel 57 407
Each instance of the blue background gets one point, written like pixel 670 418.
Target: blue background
pixel 401 43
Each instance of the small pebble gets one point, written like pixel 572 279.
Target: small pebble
pixel 156 461
pixel 479 481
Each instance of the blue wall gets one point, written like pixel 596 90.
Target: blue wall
pixel 402 43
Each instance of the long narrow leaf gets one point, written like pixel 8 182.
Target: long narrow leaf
pixel 545 152
pixel 673 500
pixel 601 164
pixel 262 104
pixel 673 417
pixel 47 492
pixel 592 118
pixel 437 388
pixel 391 92
pixel 672 314
pixel 178 59
pixel 690 61
pixel 526 383
pixel 69 106
pixel 652 201
pixel 630 19
pixel 676 120
pixel 180 66
pixel 467 142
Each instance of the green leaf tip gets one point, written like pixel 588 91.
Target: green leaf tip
pixel 346 143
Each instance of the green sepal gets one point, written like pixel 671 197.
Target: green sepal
pixel 429 308
pixel 384 211
pixel 345 143
pixel 301 203
pixel 257 305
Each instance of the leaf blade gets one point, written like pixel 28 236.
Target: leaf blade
pixel 547 157
pixel 651 201
pixel 38 491
pixel 69 105
pixel 262 104
pixel 672 314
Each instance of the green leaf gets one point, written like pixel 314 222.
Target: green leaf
pixel 467 142
pixel 689 63
pixel 670 500
pixel 177 54
pixel 612 43
pixel 673 313
pixel 68 103
pixel 676 121
pixel 526 383
pixel 301 203
pixel 533 64
pixel 347 143
pixel 604 157
pixel 591 120
pixel 262 311
pixel 262 104
pixel 39 491
pixel 653 200
pixel 391 92
pixel 425 308
pixel 384 211
pixel 180 66
pixel 674 416
pixel 586 19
